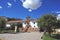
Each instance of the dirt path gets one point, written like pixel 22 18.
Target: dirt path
pixel 22 36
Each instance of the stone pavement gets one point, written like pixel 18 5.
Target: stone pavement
pixel 22 36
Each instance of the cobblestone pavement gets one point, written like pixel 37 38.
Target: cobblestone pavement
pixel 22 36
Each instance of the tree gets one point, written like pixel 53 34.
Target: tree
pixel 28 20
pixel 28 23
pixel 48 22
pixel 58 24
pixel 2 22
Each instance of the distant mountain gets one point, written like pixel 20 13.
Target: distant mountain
pixel 10 19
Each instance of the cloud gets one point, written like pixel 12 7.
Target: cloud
pixel 9 4
pixel 58 15
pixel 0 7
pixel 58 12
pixel 22 0
pixel 31 4
pixel 29 10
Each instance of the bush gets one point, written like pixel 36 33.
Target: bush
pixel 47 37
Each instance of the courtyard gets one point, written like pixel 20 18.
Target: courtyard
pixel 22 36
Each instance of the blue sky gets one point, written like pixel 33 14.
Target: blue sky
pixel 14 9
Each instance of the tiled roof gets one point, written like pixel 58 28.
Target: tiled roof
pixel 21 21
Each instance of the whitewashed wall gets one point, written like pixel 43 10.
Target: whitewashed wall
pixel 36 25
pixel 32 24
pixel 24 25
pixel 8 25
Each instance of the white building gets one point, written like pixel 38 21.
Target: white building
pixel 32 23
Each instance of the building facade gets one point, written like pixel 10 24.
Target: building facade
pixel 33 25
pixel 29 24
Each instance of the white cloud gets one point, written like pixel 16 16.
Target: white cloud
pixel 9 4
pixel 58 12
pixel 22 0
pixel 58 15
pixel 29 10
pixel 31 4
pixel 0 7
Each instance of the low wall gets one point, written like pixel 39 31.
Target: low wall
pixel 29 29
pixel 34 29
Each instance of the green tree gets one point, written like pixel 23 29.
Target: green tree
pixel 58 24
pixel 2 22
pixel 47 22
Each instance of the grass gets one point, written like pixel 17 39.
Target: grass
pixel 6 31
pixel 47 37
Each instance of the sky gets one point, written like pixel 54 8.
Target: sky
pixel 15 9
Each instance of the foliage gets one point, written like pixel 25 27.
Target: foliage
pixel 58 24
pixel 2 22
pixel 27 21
pixel 16 24
pixel 19 25
pixel 47 37
pixel 6 31
pixel 47 21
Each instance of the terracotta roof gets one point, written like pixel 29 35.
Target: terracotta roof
pixel 21 21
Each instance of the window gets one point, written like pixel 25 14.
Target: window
pixel 34 22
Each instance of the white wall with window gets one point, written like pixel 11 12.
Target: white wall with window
pixel 32 24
